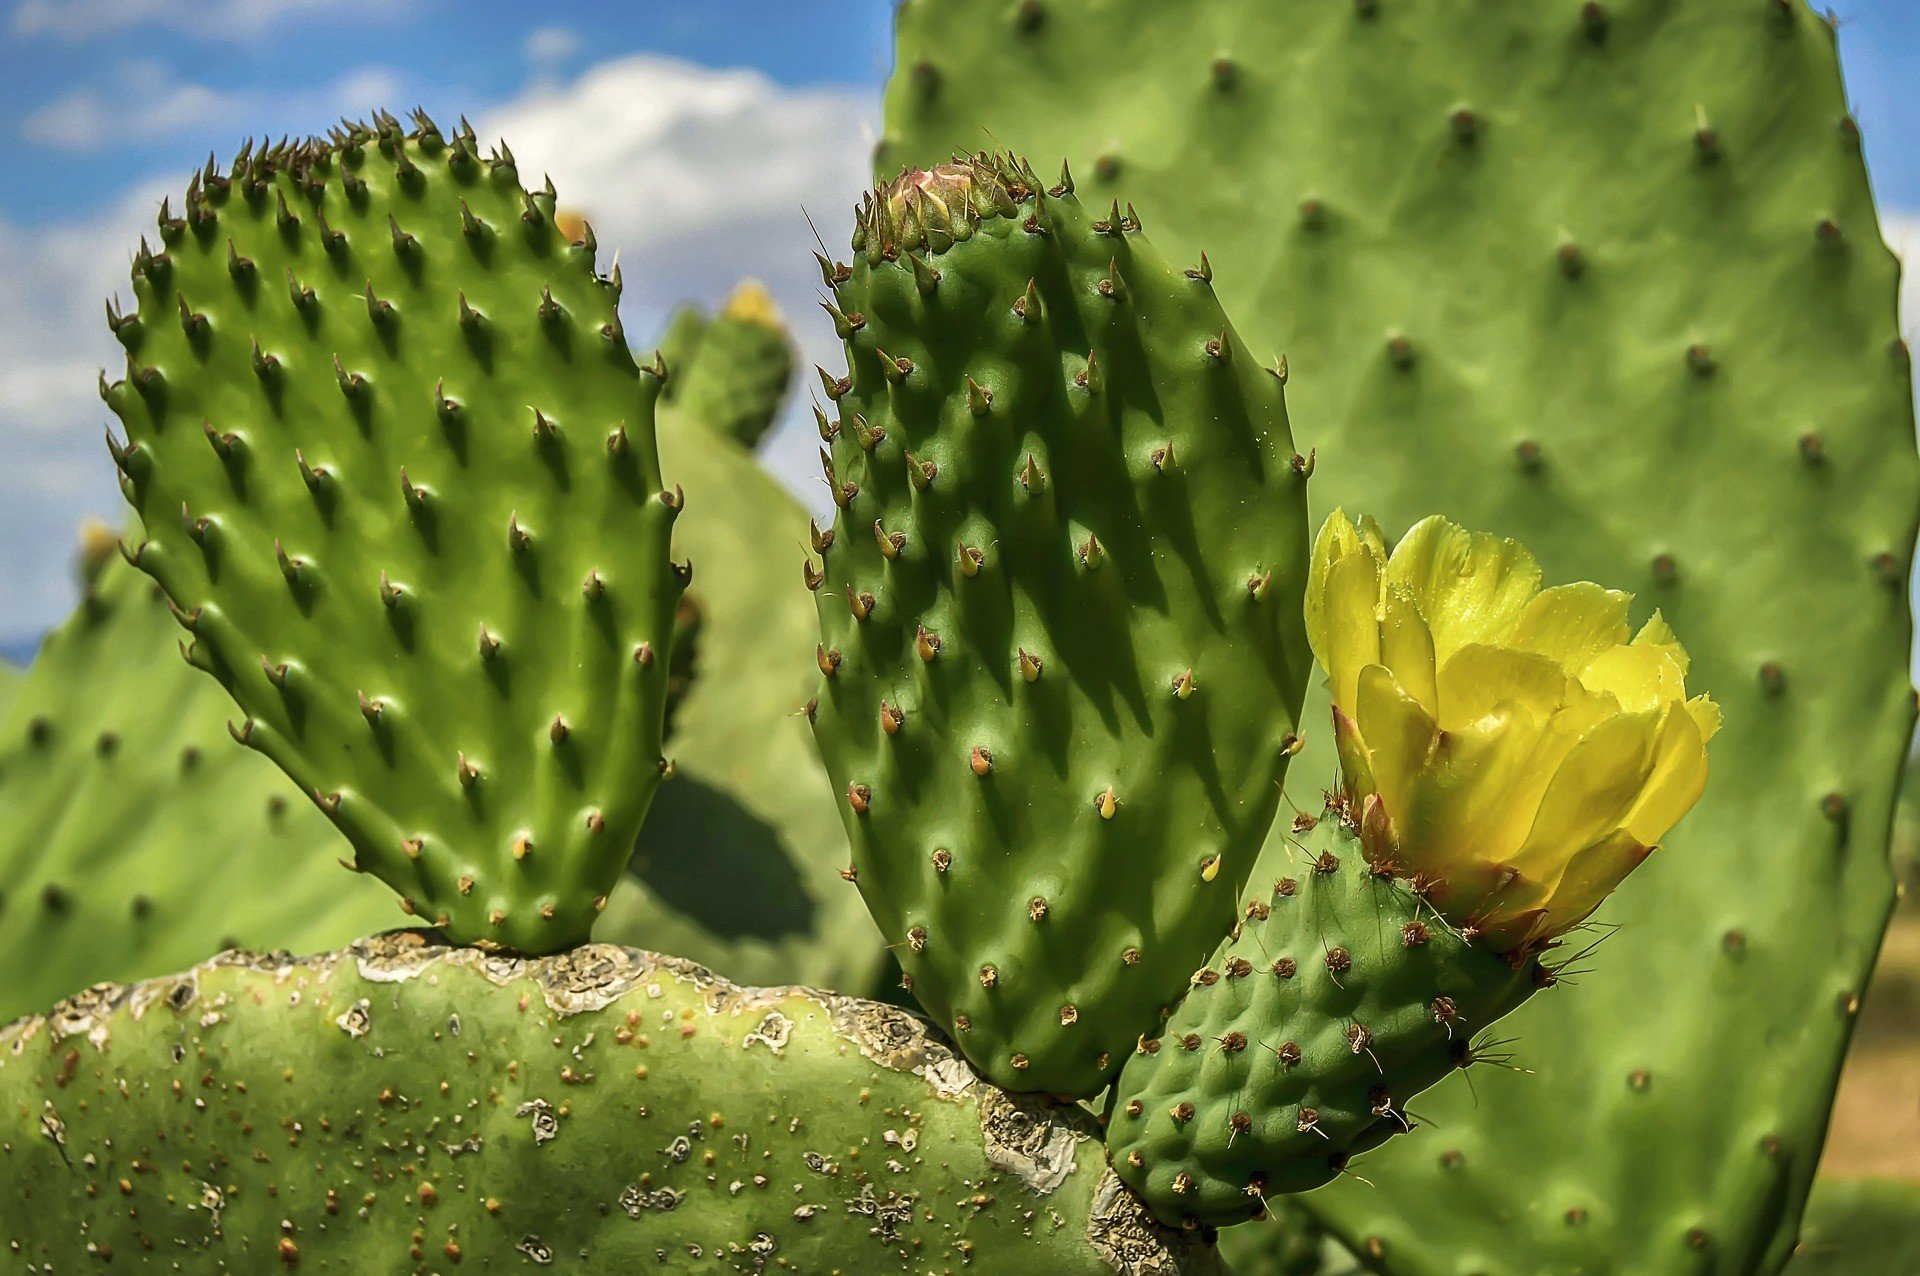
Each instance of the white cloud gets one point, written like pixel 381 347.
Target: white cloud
pixel 699 177
pixel 1902 231
pixel 145 102
pixel 550 46
pixel 239 20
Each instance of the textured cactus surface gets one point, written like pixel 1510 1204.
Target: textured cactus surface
pixel 397 472
pixel 740 366
pixel 1606 278
pixel 1339 996
pixel 397 1107
pixel 737 866
pixel 1855 1227
pixel 1061 640
pixel 135 836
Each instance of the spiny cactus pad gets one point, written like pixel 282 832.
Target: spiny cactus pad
pixel 397 1107
pixel 1061 638
pixel 740 369
pixel 396 468
pixel 135 836
pixel 1606 278
pixel 1339 996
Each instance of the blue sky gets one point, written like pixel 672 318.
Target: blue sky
pixel 740 112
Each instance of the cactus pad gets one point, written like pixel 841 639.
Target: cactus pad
pixel 1061 639
pixel 396 1107
pixel 135 836
pixel 1605 277
pixel 397 473
pixel 739 367
pixel 1339 996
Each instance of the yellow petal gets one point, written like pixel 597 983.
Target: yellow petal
pixel 1640 678
pixel 1679 774
pixel 1571 624
pixel 1658 633
pixel 1479 677
pixel 1591 793
pixel 1356 763
pixel 1337 538
pixel 1459 810
pixel 1706 715
pixel 1350 624
pixel 1406 647
pixel 1471 586
pixel 1399 734
pixel 1591 875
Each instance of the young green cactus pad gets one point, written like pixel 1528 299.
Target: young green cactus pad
pixel 399 1107
pixel 1061 644
pixel 135 836
pixel 396 468
pixel 1605 277
pixel 1507 757
pixel 739 375
pixel 1338 997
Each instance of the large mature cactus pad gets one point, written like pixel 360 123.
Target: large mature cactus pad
pixel 1062 645
pixel 396 467
pixel 397 1107
pixel 135 836
pixel 1605 277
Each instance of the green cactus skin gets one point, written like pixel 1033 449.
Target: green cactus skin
pixel 760 900
pixel 679 347
pixel 1605 278
pixel 1288 1242
pixel 740 375
pixel 117 777
pixel 1337 998
pixel 12 678
pixel 398 473
pixel 1060 619
pixel 397 1107
pixel 1859 1227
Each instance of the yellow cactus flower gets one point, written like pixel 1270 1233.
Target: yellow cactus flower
pixel 1506 747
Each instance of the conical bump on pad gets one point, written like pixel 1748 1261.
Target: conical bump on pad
pixel 1339 995
pixel 1061 639
pixel 397 473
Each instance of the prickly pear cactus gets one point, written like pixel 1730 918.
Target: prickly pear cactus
pixel 398 1107
pixel 397 472
pixel 1061 645
pixel 741 367
pixel 760 899
pixel 679 346
pixel 135 836
pixel 1857 1226
pixel 1338 997
pixel 1605 277
pixel 12 677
